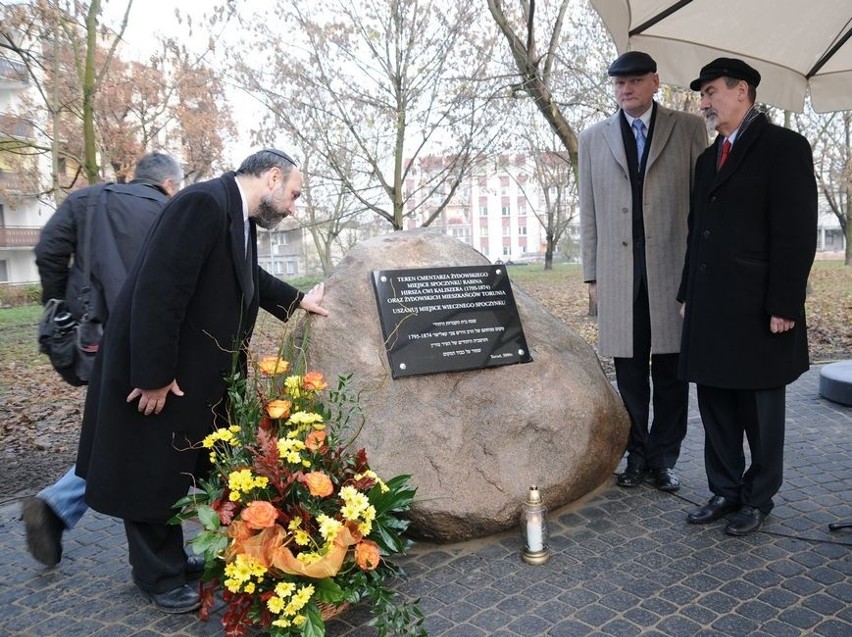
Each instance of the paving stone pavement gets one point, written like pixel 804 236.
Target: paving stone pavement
pixel 624 562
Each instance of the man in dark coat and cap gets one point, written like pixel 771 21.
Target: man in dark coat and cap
pixel 185 313
pixel 751 244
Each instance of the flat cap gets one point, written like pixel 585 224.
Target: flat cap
pixel 632 63
pixel 726 67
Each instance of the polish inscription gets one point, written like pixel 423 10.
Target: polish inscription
pixel 449 319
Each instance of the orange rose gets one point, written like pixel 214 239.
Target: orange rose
pixel 315 440
pixel 319 484
pixel 313 381
pixel 259 514
pixel 367 555
pixel 278 408
pixel 272 365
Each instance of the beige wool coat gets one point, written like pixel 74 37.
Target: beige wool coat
pixel 607 232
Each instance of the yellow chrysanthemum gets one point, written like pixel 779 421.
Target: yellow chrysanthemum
pixel 289 450
pixel 304 418
pixel 225 435
pixel 282 623
pixel 301 537
pixel 275 605
pixel 284 589
pixel 329 527
pixel 309 558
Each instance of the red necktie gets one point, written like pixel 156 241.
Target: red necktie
pixel 726 148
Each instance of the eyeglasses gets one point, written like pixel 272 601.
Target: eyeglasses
pixel 280 154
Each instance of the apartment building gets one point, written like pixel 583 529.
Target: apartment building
pixel 21 214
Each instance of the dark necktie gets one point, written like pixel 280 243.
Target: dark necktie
pixel 249 268
pixel 726 148
pixel 639 128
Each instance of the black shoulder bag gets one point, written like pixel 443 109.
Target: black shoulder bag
pixel 72 345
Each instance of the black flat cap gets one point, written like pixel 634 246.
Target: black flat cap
pixel 726 67
pixel 632 63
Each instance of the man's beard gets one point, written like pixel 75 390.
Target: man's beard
pixel 268 216
pixel 711 120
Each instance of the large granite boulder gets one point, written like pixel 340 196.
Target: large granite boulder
pixel 473 441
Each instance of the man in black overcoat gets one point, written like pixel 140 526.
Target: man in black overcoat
pixel 121 215
pixel 189 304
pixel 751 244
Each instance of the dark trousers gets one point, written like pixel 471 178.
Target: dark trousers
pixel 728 415
pixel 156 555
pixel 659 447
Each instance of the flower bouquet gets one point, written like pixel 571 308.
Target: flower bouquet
pixel 294 524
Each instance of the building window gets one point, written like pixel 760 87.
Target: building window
pixel 291 267
pixel 507 231
pixel 522 230
pixel 4 271
pixel 505 211
pixel 483 231
pixel 507 251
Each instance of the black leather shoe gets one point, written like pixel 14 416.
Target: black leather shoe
pixel 183 599
pixel 747 520
pixel 717 508
pixel 194 567
pixel 633 476
pixel 44 531
pixel 665 480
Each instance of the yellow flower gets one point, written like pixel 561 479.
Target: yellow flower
pixel 275 604
pixel 282 623
pixel 272 365
pixel 284 589
pixel 301 537
pixel 309 558
pixel 304 418
pixel 328 527
pixel 289 448
pixel 293 384
pixel 243 480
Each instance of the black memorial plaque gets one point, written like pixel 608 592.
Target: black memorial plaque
pixel 449 319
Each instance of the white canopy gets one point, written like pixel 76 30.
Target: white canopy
pixel 796 45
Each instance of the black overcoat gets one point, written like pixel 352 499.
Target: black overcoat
pixel 182 314
pixel 751 244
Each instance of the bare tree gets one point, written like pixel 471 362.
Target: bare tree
pixel 535 66
pixel 830 135
pixel 367 90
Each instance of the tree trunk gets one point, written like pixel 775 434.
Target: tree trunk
pixel 90 161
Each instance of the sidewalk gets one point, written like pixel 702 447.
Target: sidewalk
pixel 624 562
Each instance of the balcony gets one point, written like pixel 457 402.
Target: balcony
pixel 14 126
pixel 13 73
pixel 19 236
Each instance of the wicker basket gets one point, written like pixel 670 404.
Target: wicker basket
pixel 330 611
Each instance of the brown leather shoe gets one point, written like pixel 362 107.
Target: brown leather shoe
pixel 44 531
pixel 717 508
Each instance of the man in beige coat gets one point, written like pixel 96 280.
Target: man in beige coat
pixel 636 171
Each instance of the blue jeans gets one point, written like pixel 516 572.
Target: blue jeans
pixel 67 498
